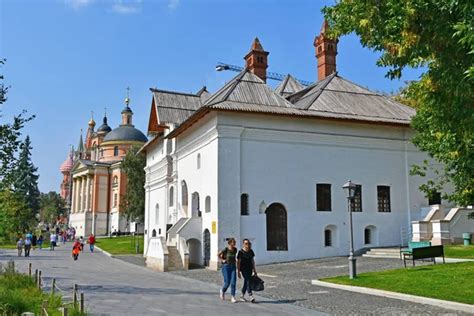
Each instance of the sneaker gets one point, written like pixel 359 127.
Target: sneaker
pixel 242 298
pixel 252 299
pixel 222 295
pixel 233 300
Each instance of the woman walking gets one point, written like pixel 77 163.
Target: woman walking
pixel 245 267
pixel 40 242
pixel 19 246
pixel 228 259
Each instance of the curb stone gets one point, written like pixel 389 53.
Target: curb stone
pixel 467 308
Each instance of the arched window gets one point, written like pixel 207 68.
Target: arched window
pixel 102 152
pixel 184 195
pixel 244 204
pixel 153 233
pixel 171 196
pixel 157 214
pixel 116 151
pixel 327 238
pixel 208 204
pixel 276 219
pixel 199 161
pixel 367 236
pixel 195 207
pixel 115 182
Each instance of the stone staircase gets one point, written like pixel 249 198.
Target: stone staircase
pixel 174 259
pixel 393 253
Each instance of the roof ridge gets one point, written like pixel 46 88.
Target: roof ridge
pixel 358 85
pixel 229 85
pixel 173 92
pixel 324 85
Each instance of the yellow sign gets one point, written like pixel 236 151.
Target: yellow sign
pixel 214 227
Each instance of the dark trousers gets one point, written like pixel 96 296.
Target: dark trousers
pixel 27 250
pixel 246 286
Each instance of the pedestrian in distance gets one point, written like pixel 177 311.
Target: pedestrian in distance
pixel 40 242
pixel 228 260
pixel 76 249
pixel 34 241
pixel 27 247
pixel 81 241
pixel 245 267
pixel 19 246
pixel 91 242
pixel 52 241
pixel 64 237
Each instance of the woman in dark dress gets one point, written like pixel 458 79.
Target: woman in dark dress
pixel 245 267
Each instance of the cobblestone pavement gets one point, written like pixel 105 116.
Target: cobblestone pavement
pixel 115 287
pixel 292 282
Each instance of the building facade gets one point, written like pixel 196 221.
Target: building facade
pixel 268 164
pixel 98 182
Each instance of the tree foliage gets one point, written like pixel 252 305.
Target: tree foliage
pixel 26 177
pixel 133 202
pixel 52 205
pixel 15 215
pixel 438 35
pixel 10 134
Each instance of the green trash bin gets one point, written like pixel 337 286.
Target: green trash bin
pixel 467 238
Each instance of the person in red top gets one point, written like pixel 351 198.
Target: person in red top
pixel 76 249
pixel 91 242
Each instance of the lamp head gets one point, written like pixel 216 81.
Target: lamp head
pixel 349 188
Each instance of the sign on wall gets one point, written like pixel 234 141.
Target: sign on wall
pixel 214 227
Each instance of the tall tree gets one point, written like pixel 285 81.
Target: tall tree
pixel 133 202
pixel 10 134
pixel 26 177
pixel 438 35
pixel 52 205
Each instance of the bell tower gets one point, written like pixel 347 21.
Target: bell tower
pixel 127 111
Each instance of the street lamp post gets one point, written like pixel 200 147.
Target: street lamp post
pixel 350 189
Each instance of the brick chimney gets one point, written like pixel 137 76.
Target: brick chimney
pixel 326 51
pixel 256 60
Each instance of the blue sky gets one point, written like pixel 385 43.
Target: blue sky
pixel 66 58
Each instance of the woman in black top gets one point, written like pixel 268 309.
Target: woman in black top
pixel 245 267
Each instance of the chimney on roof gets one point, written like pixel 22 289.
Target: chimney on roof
pixel 256 60
pixel 326 51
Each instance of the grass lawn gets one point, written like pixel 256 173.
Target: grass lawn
pixel 451 282
pixel 459 251
pixel 19 294
pixel 120 245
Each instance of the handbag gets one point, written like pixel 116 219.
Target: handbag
pixel 256 284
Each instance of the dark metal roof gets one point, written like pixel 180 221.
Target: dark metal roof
pixel 331 98
pixel 104 128
pixel 288 86
pixel 247 88
pixel 175 107
pixel 126 133
pixel 340 97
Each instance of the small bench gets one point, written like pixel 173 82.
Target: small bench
pixel 420 253
pixel 412 245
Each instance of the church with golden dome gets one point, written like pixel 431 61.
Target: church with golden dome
pixel 93 180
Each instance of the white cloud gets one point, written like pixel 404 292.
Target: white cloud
pixel 173 4
pixel 78 4
pixel 126 8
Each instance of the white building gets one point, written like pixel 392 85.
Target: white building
pixel 269 165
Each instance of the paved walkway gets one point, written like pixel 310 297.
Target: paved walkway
pixel 292 281
pixel 114 287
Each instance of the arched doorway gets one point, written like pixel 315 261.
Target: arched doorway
pixel 277 236
pixel 196 211
pixel 184 197
pixel 195 252
pixel 206 237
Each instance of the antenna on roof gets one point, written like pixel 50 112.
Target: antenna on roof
pixel 270 75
